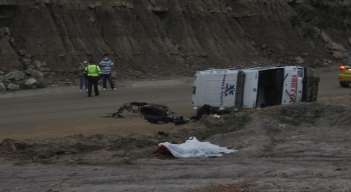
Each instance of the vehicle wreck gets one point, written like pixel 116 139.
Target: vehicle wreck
pixel 236 89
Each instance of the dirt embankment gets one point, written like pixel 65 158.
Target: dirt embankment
pixel 304 147
pixel 157 37
pixel 306 131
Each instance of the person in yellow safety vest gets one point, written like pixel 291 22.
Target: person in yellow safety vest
pixel 93 73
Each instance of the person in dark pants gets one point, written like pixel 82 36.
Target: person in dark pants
pixel 106 68
pixel 93 73
pixel 83 85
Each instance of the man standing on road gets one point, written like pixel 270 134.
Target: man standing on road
pixel 106 67
pixel 93 73
pixel 83 84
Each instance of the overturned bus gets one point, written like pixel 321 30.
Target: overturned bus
pixel 254 87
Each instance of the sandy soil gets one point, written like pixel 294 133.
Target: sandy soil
pixel 296 149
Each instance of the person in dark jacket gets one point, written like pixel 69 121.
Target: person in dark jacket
pixel 106 65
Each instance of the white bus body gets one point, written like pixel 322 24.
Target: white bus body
pixel 252 87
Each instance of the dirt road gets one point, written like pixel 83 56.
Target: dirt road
pixel 57 112
pixel 272 157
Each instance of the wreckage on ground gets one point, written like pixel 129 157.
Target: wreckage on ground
pixel 153 113
pixel 236 89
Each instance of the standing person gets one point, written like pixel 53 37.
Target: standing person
pixel 93 73
pixel 106 66
pixel 83 84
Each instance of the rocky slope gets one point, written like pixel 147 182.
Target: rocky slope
pixel 153 38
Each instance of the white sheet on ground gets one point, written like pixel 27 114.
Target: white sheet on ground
pixel 194 148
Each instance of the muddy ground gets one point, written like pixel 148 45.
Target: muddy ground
pixel 303 147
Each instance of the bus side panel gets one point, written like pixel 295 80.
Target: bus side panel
pixel 228 90
pixel 290 89
pixel 214 89
pixel 196 93
pixel 211 91
pixel 250 91
pixel 207 87
pixel 300 76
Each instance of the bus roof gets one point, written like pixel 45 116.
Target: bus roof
pixel 231 70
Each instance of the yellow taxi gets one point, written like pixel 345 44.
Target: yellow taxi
pixel 344 75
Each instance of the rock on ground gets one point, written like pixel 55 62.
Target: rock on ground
pixel 299 60
pixel 35 74
pixel 15 76
pixel 31 83
pixel 13 87
pixel 2 87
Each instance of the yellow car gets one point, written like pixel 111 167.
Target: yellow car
pixel 344 75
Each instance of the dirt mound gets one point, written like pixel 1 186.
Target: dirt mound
pixel 77 149
pixel 296 131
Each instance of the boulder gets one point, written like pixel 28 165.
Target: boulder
pixel 31 83
pixel 13 87
pixel 26 61
pixel 305 54
pixel 336 46
pixel 21 52
pixel 35 74
pixel 15 76
pixel 2 73
pixel 264 46
pixel 337 50
pixel 2 87
pixel 299 60
pixel 325 37
pixel 339 54
pixel 37 64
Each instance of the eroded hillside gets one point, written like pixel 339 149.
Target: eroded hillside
pixel 169 37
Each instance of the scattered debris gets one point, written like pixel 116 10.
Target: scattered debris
pixel 194 148
pixel 153 113
pixel 209 110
